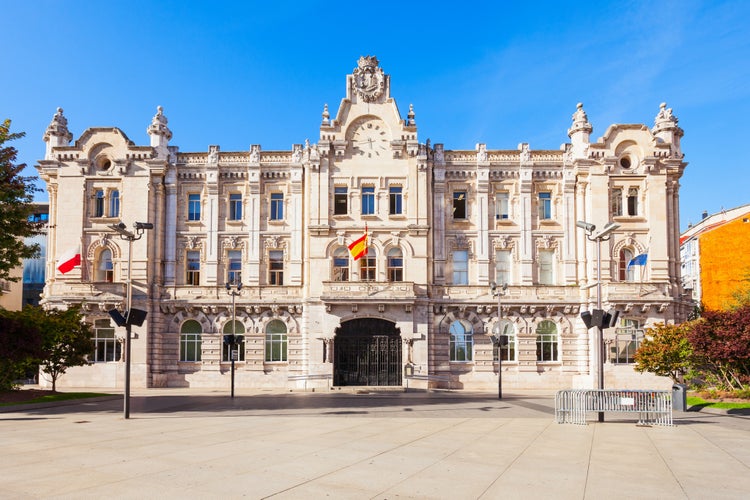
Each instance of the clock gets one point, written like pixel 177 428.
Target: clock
pixel 369 138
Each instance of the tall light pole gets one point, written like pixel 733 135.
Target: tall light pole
pixel 233 340
pixel 500 339
pixel 604 235
pixel 131 316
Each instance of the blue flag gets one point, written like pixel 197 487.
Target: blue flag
pixel 638 260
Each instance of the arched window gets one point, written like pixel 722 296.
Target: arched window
pixel 276 341
pixel 190 341
pixel 341 264
pixel 546 341
pixel 395 265
pixel 508 348
pixel 368 265
pixel 104 267
pixel 99 203
pixel 226 351
pixel 626 274
pixel 462 341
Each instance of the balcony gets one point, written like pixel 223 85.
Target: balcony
pixel 375 291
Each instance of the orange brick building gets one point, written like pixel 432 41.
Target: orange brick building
pixel 715 257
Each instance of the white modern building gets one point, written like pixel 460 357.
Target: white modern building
pixel 442 225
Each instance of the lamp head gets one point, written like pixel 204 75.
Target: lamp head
pixel 143 225
pixel 586 226
pixel 611 226
pixel 493 286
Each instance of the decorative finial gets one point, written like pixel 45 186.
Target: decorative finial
pixel 159 124
pixel 326 115
pixel 410 116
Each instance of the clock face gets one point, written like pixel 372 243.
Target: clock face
pixel 369 138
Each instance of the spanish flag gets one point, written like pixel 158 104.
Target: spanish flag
pixel 358 247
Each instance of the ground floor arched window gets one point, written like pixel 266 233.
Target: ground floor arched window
pixel 461 341
pixel 190 341
pixel 276 341
pixel 546 341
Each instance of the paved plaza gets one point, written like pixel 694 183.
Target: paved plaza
pixel 183 443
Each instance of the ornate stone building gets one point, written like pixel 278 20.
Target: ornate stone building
pixel 442 225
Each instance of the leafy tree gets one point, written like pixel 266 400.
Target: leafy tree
pixel 16 197
pixel 66 339
pixel 20 347
pixel 666 351
pixel 721 339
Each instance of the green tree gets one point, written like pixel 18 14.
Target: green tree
pixel 666 351
pixel 66 339
pixel 20 347
pixel 16 197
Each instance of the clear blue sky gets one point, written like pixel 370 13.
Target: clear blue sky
pixel 241 73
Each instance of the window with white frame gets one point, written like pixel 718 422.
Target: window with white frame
pixel 340 200
pixel 341 264
pixel 277 206
pixel 460 267
pixel 106 346
pixel 505 328
pixel 546 263
pixel 395 200
pixel 628 337
pixel 194 207
pixel 114 203
pixel 276 341
pixel 234 267
pixel 632 201
pixel 546 341
pixel 368 200
pixel 104 266
pixel 395 265
pixel 226 350
pixel 502 267
pixel 368 265
pixel 193 267
pixel 502 211
pixel 461 341
pixel 459 205
pixel 276 267
pixel 190 341
pixel 235 206
pixel 545 205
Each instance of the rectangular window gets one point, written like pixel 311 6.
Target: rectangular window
pixel 459 204
pixel 502 267
pixel 193 268
pixel 461 267
pixel 235 206
pixel 368 266
pixel 340 201
pixel 114 203
pixel 276 347
pixel 368 200
pixel 99 203
pixel 545 206
pixel 106 346
pixel 633 201
pixel 190 347
pixel 546 274
pixel 341 265
pixel 277 206
pixel 395 200
pixel 501 206
pixel 194 207
pixel 615 202
pixel 276 267
pixel 234 269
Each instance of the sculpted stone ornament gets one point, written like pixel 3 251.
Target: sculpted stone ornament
pixel 369 81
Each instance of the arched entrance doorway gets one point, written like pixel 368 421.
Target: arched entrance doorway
pixel 367 351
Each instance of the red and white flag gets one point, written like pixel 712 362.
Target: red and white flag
pixel 69 259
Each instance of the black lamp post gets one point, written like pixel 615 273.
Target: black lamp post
pixel 132 316
pixel 498 337
pixel 598 319
pixel 233 340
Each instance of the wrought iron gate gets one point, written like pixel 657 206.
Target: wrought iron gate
pixel 367 352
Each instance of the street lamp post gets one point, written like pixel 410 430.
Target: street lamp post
pixel 234 340
pixel 500 339
pixel 130 317
pixel 604 235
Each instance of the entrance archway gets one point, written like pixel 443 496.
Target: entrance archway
pixel 367 352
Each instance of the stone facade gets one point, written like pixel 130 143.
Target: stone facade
pixel 442 225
